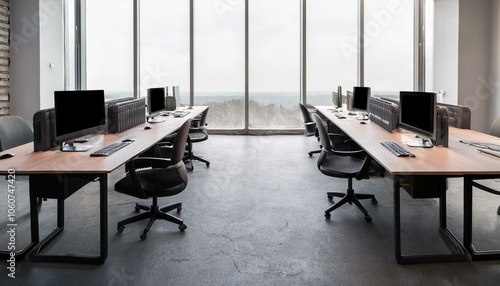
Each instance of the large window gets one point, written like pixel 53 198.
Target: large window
pixel 110 47
pixel 274 63
pixel 332 48
pixel 219 61
pixel 164 46
pixel 388 46
pixel 250 61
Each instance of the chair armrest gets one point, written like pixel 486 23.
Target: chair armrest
pixel 353 153
pixel 154 162
pixel 342 142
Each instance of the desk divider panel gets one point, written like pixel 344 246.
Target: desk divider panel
pixel 384 113
pixel 125 115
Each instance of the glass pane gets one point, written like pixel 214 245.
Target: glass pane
pixel 429 45
pixel 219 57
pixel 274 64
pixel 389 46
pixel 164 46
pixel 332 48
pixel 109 49
pixel 69 42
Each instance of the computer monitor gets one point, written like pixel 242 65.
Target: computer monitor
pixel 418 114
pixel 360 97
pixel 78 113
pixel 155 103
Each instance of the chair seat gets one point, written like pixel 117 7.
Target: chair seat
pixel 340 166
pixel 198 136
pixel 153 184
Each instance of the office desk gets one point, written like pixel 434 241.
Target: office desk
pixel 83 168
pixel 457 160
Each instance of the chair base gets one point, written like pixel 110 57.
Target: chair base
pixel 191 158
pixel 350 197
pixel 153 213
pixel 314 152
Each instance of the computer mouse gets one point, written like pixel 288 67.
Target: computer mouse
pixel 362 122
pixel 128 140
pixel 6 156
pixel 147 127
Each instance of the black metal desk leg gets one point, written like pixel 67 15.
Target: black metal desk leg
pixel 459 251
pixel 83 258
pixel 468 212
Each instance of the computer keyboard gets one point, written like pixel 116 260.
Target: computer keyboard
pixel 340 116
pixel 396 149
pixel 109 149
pixel 180 113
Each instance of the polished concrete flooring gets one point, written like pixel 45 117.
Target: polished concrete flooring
pixel 255 217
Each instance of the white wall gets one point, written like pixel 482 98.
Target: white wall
pixel 445 67
pixel 36 41
pixel 463 56
pixel 474 60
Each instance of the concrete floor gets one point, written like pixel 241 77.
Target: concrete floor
pixel 255 217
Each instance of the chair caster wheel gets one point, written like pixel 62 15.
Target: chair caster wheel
pixel 182 227
pixel 330 197
pixel 328 215
pixel 208 164
pixel 498 211
pixel 179 208
pixel 120 228
pixel 310 154
pixel 368 218
pixel 137 209
pixel 374 201
pixel 143 236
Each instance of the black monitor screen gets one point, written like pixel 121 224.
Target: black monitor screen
pixel 78 113
pixel 417 112
pixel 360 96
pixel 156 100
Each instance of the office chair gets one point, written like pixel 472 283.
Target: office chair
pixel 339 140
pixel 197 133
pixel 309 126
pixel 489 184
pixel 343 164
pixel 166 177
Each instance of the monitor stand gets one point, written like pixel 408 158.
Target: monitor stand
pixel 424 143
pixel 70 147
pixel 155 120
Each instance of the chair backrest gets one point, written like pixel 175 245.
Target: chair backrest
pixel 203 118
pixel 495 128
pixel 179 145
pixel 14 131
pixel 306 115
pixel 309 125
pixel 323 133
